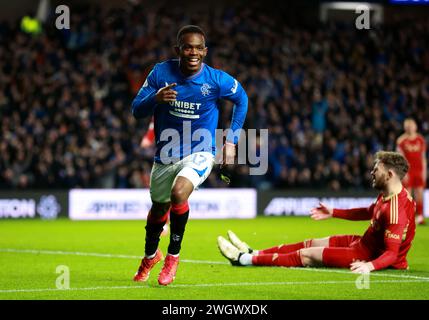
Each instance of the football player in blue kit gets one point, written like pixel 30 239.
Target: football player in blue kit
pixel 183 94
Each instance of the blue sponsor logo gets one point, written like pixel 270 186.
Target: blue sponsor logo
pixel 204 206
pixel 126 207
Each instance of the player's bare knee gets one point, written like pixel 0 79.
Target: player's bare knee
pixel 178 194
pixel 181 190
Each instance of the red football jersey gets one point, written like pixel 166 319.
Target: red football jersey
pixel 413 150
pixel 149 137
pixel 392 228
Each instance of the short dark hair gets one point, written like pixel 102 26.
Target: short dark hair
pixel 189 29
pixel 393 160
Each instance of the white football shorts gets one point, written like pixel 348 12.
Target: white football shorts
pixel 195 167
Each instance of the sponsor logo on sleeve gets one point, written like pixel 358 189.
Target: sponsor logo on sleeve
pixel 235 87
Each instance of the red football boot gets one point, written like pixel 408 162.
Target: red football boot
pixel 146 265
pixel 168 272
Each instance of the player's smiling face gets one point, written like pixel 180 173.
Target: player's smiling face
pixel 191 51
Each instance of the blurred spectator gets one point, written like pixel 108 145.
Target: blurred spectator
pixel 330 96
pixel 320 107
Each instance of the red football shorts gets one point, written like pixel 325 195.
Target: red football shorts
pixel 343 250
pixel 414 180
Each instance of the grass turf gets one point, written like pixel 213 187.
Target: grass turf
pixel 31 250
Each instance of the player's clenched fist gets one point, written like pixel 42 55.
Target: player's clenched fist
pixel 166 94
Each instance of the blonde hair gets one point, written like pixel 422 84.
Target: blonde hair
pixel 393 160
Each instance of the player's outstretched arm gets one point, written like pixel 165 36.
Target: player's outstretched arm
pixel 321 212
pixel 355 214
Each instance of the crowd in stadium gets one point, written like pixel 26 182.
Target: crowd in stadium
pixel 329 96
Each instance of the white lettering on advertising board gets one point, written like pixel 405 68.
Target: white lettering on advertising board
pixel 128 204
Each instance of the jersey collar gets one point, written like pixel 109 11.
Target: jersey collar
pixel 194 75
pixel 391 196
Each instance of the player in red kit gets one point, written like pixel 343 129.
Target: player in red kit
pixel 385 243
pixel 413 146
pixel 148 139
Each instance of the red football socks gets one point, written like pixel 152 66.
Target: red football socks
pixel 292 259
pixel 284 248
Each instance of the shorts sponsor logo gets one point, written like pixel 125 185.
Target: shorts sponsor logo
pixel 200 172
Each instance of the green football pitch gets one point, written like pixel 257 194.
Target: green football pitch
pixel 102 257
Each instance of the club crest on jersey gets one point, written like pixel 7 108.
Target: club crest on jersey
pixel 205 89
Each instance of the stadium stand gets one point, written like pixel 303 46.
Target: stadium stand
pixel 330 95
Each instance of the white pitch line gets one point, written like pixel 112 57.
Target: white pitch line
pixel 122 256
pixel 75 253
pixel 378 274
pixel 283 283
pixel 99 255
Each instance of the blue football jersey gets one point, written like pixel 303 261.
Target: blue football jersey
pixel 194 114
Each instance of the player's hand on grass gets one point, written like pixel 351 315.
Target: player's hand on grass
pixel 321 212
pixel 361 267
pixel 166 94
